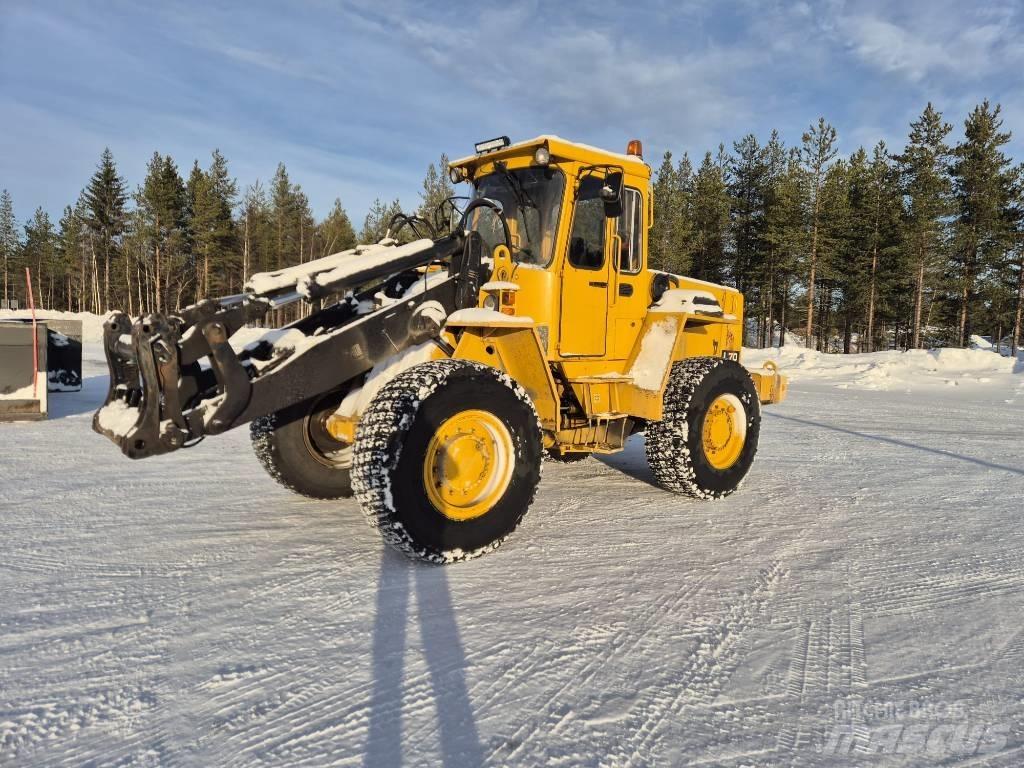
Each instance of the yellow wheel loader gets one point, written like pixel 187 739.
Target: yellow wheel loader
pixel 434 376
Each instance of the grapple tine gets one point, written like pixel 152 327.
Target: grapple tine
pixel 111 420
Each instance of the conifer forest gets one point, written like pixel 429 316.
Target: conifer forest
pixel 885 248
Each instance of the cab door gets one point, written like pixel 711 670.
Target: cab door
pixel 583 327
pixel 630 286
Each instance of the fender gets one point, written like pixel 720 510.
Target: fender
pixel 511 344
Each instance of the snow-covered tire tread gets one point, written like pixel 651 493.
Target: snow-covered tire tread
pixel 379 442
pixel 263 433
pixel 667 442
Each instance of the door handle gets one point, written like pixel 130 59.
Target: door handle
pixel 597 284
pixel 625 289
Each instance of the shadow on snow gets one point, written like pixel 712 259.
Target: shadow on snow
pixel 444 655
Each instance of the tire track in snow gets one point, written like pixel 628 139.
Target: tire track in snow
pixel 957 580
pixel 707 669
pixel 624 640
pixel 827 666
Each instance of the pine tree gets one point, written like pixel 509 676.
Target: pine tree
pixel 666 213
pixel 786 231
pixel 875 213
pixel 282 214
pixel 70 240
pixel 212 196
pixel 10 243
pixel 375 225
pixel 105 197
pixel 76 246
pixel 983 185
pixel 40 254
pixel 680 256
pixel 768 271
pixel 837 270
pixel 1015 261
pixel 671 237
pixel 162 201
pixel 335 232
pixel 710 221
pixel 255 227
pixel 196 213
pixel 291 219
pixel 924 167
pixel 305 225
pixel 748 189
pixel 136 248
pixel 436 189
pixel 817 152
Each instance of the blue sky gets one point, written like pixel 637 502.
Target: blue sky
pixel 357 98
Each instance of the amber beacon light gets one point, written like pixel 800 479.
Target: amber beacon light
pixel 635 148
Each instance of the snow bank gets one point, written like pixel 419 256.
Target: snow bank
pixel 92 324
pixel 893 370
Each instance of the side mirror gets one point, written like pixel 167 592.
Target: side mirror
pixel 611 194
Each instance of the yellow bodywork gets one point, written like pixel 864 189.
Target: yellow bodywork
pixel 592 335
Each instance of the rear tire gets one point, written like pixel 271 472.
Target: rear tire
pixel 707 437
pixel 295 449
pixel 447 460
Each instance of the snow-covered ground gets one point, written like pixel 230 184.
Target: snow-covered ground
pixel 863 593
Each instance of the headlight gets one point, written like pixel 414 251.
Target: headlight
pixel 491 302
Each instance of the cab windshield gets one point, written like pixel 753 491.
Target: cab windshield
pixel 531 199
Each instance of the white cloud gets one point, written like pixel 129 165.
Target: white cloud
pixel 892 48
pixel 933 41
pixel 281 65
pixel 597 72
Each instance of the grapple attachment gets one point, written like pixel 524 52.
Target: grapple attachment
pixel 160 396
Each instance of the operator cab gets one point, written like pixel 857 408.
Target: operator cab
pixel 576 220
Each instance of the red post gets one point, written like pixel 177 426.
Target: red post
pixel 35 335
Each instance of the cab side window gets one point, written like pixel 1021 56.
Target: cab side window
pixel 586 241
pixel 630 229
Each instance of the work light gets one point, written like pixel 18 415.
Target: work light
pixel 492 145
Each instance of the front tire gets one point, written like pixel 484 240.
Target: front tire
pixel 295 449
pixel 706 440
pixel 447 460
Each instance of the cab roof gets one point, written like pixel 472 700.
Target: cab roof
pixel 560 149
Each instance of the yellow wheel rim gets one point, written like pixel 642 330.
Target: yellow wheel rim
pixel 468 464
pixel 725 431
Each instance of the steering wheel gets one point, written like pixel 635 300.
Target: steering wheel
pixel 485 202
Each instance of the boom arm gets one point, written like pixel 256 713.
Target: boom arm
pixel 176 378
